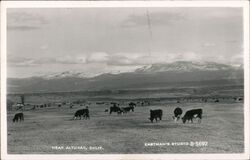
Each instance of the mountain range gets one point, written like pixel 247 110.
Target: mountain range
pixel 150 76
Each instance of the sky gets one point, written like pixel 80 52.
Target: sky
pixel 43 41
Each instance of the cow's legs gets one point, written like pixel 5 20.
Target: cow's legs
pixel 199 120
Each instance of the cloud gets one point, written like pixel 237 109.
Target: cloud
pixel 122 59
pixel 22 28
pixel 24 21
pixel 154 18
pixel 208 44
pixel 97 57
pixel 26 62
pixel 71 60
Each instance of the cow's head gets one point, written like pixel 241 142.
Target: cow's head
pixel 184 119
pixel 151 119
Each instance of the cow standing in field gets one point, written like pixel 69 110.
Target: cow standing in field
pixel 216 101
pixel 177 113
pixel 194 113
pixel 115 109
pixel 154 114
pixel 82 113
pixel 18 116
pixel 127 109
pixel 132 104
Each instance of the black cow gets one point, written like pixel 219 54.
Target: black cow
pixel 114 104
pixel 194 113
pixel 106 110
pixel 115 109
pixel 177 113
pixel 154 114
pixel 217 100
pixel 240 99
pixel 82 113
pixel 18 116
pixel 127 109
pixel 132 104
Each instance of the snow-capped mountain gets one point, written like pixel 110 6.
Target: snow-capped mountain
pixel 67 74
pixel 179 66
pixel 185 66
pixel 156 75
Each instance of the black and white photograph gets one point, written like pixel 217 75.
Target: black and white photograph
pixel 149 79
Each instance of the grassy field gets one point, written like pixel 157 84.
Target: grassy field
pixel 222 128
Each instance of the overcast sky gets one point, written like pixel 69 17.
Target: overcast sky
pixel 44 41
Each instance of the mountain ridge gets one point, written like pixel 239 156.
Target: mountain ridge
pixel 178 66
pixel 165 74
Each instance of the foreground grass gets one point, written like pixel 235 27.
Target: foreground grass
pixel 222 127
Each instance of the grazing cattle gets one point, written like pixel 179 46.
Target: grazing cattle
pixel 115 109
pixel 82 113
pixel 59 105
pixel 147 102
pixel 189 115
pixel 132 104
pixel 18 116
pixel 177 113
pixel 216 101
pixel 154 114
pixel 106 110
pixel 127 109
pixel 114 104
pixel 99 103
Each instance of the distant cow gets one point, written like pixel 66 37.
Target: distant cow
pixel 194 113
pixel 132 104
pixel 106 110
pixel 82 113
pixel 216 101
pixel 177 113
pixel 115 109
pixel 127 109
pixel 154 114
pixel 18 116
pixel 114 104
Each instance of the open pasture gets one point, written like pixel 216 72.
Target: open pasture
pixel 222 128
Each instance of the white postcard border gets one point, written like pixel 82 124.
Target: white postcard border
pixel 90 4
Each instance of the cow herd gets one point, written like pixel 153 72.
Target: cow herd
pixel 155 115
pixel 189 115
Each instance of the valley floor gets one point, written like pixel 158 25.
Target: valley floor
pixel 46 130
